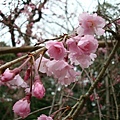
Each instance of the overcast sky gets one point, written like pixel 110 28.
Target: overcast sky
pixel 87 5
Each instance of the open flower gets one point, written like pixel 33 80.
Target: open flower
pixel 90 24
pixel 43 68
pixel 17 82
pixel 56 50
pixel 88 44
pixel 62 71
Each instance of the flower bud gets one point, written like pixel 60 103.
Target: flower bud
pixel 22 107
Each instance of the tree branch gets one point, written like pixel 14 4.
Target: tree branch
pixel 5 50
pixel 8 64
pixel 79 105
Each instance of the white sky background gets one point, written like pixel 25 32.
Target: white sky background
pixel 87 5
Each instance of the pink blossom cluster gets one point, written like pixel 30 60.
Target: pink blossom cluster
pixel 12 79
pixel 82 50
pixel 59 69
pixel 77 50
pixel 22 107
pixel 63 56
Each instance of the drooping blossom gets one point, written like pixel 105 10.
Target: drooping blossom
pixel 82 50
pixel 83 60
pixel 88 44
pixel 90 24
pixel 72 44
pixel 62 71
pixel 58 69
pixel 9 74
pixel 43 68
pixel 44 117
pixel 38 89
pixel 17 82
pixel 22 107
pixel 56 50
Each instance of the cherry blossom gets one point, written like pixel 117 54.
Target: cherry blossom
pixel 22 107
pixel 62 71
pixel 88 44
pixel 59 69
pixel 17 82
pixel 56 50
pixel 38 89
pixel 69 78
pixel 43 68
pixel 44 117
pixel 32 6
pixel 9 74
pixel 83 60
pixel 81 50
pixel 72 45
pixel 90 24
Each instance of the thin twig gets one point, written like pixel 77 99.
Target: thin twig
pixel 115 100
pixel 8 64
pixel 95 94
pixel 53 101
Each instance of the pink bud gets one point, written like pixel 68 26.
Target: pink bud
pixel 38 89
pixel 9 74
pixel 92 98
pixel 44 117
pixel 22 107
pixel 27 74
